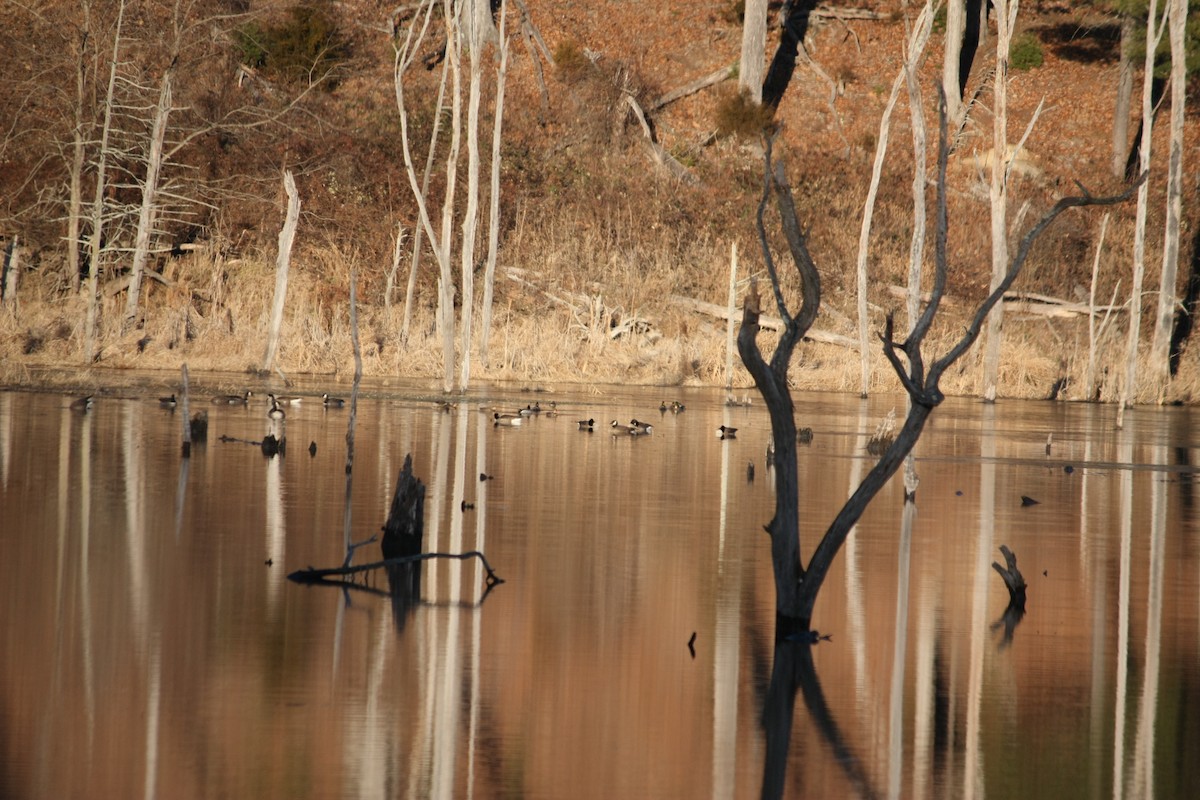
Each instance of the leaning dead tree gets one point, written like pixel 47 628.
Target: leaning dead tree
pixel 797 584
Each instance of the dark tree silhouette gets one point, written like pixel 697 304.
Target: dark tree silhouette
pixel 797 585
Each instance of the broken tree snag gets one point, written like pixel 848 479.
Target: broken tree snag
pixel 1014 581
pixel 404 532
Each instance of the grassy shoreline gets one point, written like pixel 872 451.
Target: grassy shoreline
pixel 214 318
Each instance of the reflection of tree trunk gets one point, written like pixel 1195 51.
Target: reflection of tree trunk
pixel 794 670
pixel 783 65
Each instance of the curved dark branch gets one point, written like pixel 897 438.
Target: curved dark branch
pixel 921 327
pixel 772 271
pixel 1027 241
pixel 810 279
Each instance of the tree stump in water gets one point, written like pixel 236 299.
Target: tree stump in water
pixel 1014 581
pixel 404 535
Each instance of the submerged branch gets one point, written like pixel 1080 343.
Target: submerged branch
pixel 314 575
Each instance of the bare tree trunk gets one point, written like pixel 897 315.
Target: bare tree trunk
pixel 1129 390
pixel 956 18
pixel 754 48
pixel 916 255
pixel 446 279
pixel 771 380
pixel 11 271
pixel 419 233
pixel 1124 96
pixel 470 220
pixel 347 515
pixel 915 47
pixel 78 154
pixel 147 213
pixel 482 29
pixel 489 275
pixel 1160 349
pixel 89 346
pixel 998 193
pixel 389 287
pixel 282 263
pixel 1089 383
pixel 797 586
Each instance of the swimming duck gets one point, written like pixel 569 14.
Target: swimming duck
pixel 618 428
pixel 506 419
pixel 639 428
pixel 83 404
pixel 586 424
pixel 233 399
pixel 332 402
pixel 284 400
pixel 662 407
pixel 677 406
pixel 167 402
pixel 726 432
pixel 275 412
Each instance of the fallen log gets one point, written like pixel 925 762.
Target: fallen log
pixel 314 575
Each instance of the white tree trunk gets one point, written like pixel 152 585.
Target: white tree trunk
pixel 148 210
pixel 1006 17
pixel 916 255
pixel 1089 383
pixel 446 279
pixel 96 249
pixel 489 275
pixel 419 233
pixel 470 220
pixel 397 252
pixel 282 263
pixel 754 48
pixel 1129 390
pixel 916 45
pixel 956 22
pixel 1160 350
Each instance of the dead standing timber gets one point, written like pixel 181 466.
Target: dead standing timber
pixel 797 585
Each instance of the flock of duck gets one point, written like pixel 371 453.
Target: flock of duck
pixel 636 427
pixel 508 418
pixel 275 403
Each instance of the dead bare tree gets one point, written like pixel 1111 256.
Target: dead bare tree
pixel 796 584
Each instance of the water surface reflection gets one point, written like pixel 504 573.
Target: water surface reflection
pixel 152 646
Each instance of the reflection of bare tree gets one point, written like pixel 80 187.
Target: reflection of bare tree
pixel 794 670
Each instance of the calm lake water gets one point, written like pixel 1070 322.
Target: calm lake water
pixel 153 646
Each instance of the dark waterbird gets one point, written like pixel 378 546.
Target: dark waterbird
pixel 332 402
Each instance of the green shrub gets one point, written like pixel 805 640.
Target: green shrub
pixel 306 46
pixel 741 117
pixel 1025 52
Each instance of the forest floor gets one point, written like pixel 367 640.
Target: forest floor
pixel 612 270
